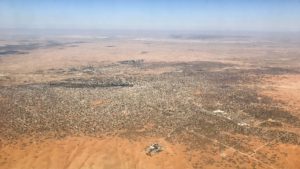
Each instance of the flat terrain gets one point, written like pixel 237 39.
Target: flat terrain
pixel 74 102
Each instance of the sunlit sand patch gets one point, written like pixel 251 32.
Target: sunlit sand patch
pixel 92 153
pixel 99 102
pixel 279 155
pixel 284 88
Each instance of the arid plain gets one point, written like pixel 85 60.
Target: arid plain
pixel 211 101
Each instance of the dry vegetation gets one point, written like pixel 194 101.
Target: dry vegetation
pixel 209 103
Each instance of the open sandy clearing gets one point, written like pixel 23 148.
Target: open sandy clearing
pixel 285 88
pixel 92 153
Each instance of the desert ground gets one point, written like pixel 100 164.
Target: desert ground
pixel 98 102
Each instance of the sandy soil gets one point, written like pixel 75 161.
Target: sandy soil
pixel 284 88
pixel 282 155
pixel 92 153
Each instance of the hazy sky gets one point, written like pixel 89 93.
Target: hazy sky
pixel 265 15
